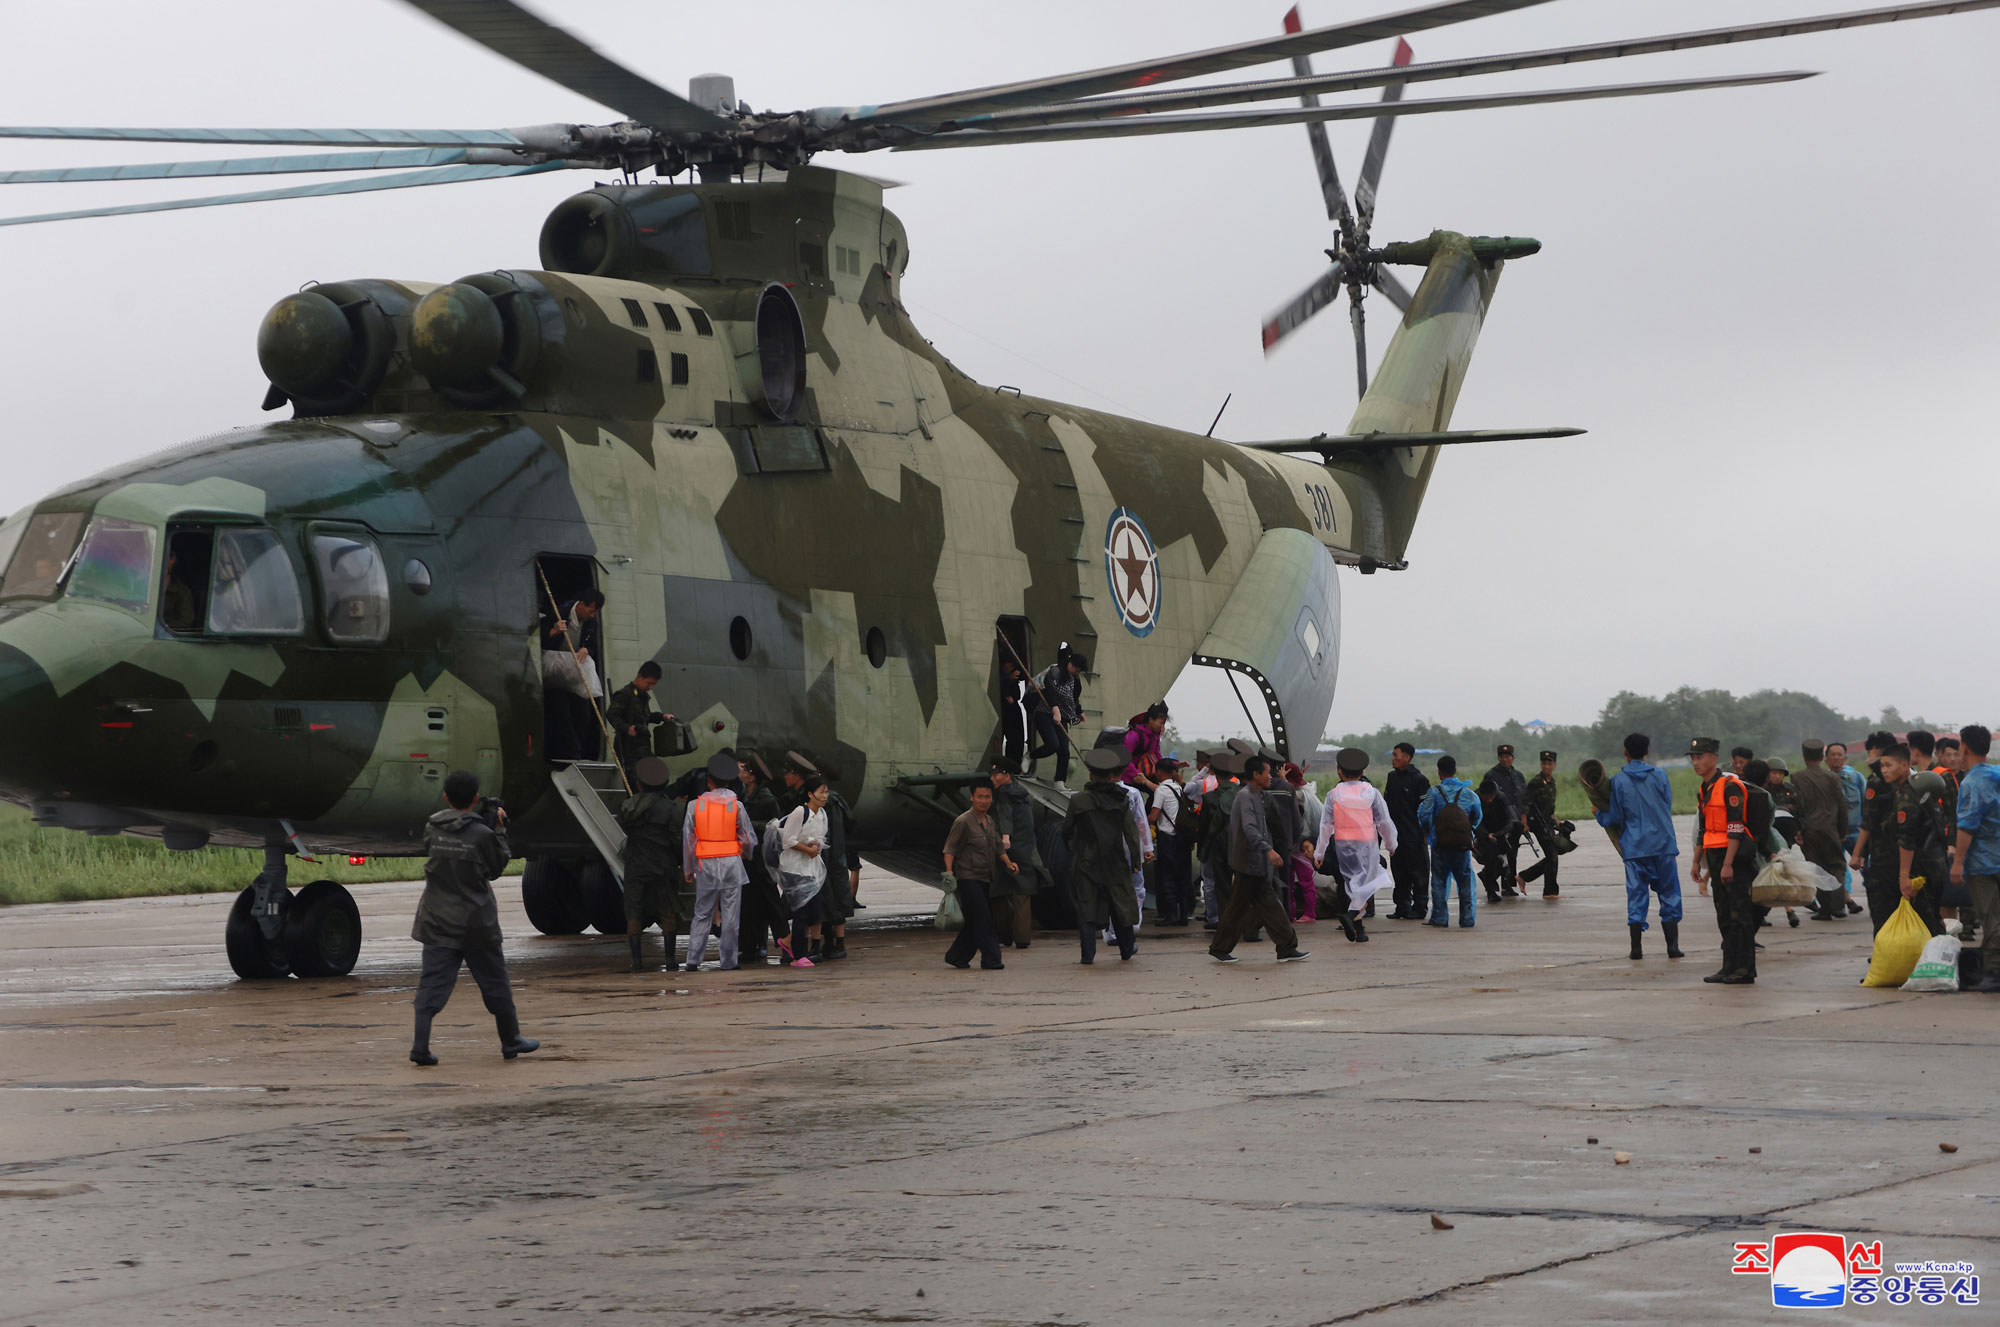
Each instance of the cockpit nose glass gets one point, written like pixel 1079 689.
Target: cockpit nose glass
pixel 115 564
pixel 44 549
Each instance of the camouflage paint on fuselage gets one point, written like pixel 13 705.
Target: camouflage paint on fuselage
pixel 920 509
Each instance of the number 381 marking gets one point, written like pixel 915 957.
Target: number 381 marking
pixel 1322 508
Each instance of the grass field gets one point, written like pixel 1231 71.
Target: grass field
pixel 60 865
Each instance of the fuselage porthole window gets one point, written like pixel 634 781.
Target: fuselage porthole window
pixel 353 587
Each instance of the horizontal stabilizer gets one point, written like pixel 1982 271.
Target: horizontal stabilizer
pixel 1355 442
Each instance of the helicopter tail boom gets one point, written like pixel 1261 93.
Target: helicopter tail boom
pixel 1414 392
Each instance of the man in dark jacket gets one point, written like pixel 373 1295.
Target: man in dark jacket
pixel 1013 892
pixel 1404 791
pixel 631 716
pixel 1253 857
pixel 1104 851
pixel 1055 705
pixel 457 920
pixel 764 911
pixel 652 824
pixel 1503 811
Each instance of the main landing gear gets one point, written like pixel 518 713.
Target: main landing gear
pixel 273 932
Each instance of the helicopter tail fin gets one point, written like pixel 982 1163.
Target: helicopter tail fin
pixel 1417 386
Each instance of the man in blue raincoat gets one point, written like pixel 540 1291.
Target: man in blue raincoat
pixel 1642 810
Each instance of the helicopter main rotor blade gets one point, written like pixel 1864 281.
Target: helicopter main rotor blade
pixel 182 170
pixel 1378 143
pixel 1329 174
pixel 1280 89
pixel 1138 125
pixel 441 175
pixel 1114 78
pixel 280 137
pixel 532 42
pixel 1308 302
pixel 1359 318
pixel 1392 288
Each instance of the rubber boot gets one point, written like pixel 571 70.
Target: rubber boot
pixel 420 1044
pixel 632 942
pixel 1672 930
pixel 1087 937
pixel 1637 930
pixel 512 1043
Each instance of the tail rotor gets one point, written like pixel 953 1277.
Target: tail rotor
pixel 1353 263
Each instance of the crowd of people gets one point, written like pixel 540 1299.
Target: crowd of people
pixel 1238 835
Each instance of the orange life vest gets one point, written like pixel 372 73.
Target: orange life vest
pixel 715 825
pixel 1716 825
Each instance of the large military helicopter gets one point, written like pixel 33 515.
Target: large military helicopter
pixel 711 404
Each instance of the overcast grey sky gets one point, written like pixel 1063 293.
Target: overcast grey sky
pixel 1771 307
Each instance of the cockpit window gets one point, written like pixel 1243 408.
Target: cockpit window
pixel 44 548
pixel 115 564
pixel 253 591
pixel 354 587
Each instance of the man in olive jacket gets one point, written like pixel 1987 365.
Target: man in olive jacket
pixel 457 920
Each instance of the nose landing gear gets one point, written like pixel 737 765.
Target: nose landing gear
pixel 272 933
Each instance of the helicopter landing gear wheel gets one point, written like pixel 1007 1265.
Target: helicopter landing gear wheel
pixel 322 932
pixel 252 955
pixel 550 896
pixel 603 896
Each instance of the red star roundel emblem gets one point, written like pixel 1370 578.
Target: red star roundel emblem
pixel 1132 567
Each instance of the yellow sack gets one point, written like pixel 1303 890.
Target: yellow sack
pixel 1898 946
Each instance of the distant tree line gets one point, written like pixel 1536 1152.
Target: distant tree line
pixel 1765 721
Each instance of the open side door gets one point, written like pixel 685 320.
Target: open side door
pixel 1281 629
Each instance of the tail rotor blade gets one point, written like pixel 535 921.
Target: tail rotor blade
pixel 1309 302
pixel 1378 142
pixel 1360 321
pixel 1329 174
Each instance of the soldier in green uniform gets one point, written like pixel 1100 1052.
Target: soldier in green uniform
pixel 632 716
pixel 1104 851
pixel 1903 842
pixel 652 823
pixel 1539 801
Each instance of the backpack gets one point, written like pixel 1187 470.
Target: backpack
pixel 772 845
pixel 1451 828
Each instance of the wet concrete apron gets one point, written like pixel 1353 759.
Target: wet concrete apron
pixel 888 1140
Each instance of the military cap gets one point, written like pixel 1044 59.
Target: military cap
pixel 1506 749
pixel 1007 765
pixel 722 767
pixel 1777 763
pixel 798 762
pixel 1548 755
pixel 1812 749
pixel 1241 747
pixel 1227 762
pixel 651 772
pixel 1704 746
pixel 1201 757
pixel 1352 759
pixel 1103 760
pixel 756 764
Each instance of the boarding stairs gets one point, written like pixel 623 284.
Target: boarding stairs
pixel 593 791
